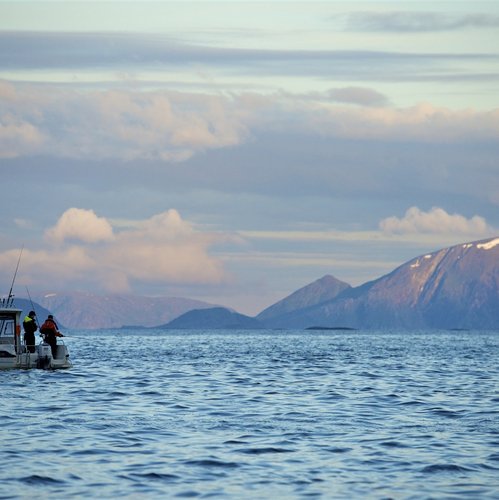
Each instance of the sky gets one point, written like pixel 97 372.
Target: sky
pixel 233 152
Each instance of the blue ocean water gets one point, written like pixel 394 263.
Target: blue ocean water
pixel 271 414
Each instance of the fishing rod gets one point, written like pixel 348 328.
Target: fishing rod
pixel 33 308
pixel 11 296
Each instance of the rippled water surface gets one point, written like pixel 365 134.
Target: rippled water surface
pixel 265 414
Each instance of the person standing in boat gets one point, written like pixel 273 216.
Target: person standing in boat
pixel 50 331
pixel 29 326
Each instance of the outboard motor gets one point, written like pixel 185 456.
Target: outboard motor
pixel 44 356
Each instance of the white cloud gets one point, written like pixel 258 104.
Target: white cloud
pixel 162 250
pixel 80 224
pixel 436 221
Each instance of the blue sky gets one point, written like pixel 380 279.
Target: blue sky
pixel 236 151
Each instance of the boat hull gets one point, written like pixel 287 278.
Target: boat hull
pixel 41 358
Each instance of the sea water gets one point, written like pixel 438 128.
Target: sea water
pixel 256 414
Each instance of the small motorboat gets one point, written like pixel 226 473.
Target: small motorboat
pixel 13 351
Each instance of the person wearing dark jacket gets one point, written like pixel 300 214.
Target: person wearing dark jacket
pixel 29 326
pixel 50 332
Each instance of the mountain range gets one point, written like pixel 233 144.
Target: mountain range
pixel 452 288
pixel 456 287
pixel 91 311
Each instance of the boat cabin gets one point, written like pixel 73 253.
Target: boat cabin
pixel 10 331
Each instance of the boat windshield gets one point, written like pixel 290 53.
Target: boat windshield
pixel 7 328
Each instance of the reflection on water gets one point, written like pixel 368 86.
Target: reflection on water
pixel 257 415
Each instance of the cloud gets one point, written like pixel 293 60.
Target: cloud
pixel 358 95
pixel 154 58
pixel 116 124
pixel 436 221
pixel 174 126
pixel 421 123
pixel 18 132
pixel 23 223
pixel 22 49
pixel 80 224
pixel 162 250
pixel 414 22
pixel 166 249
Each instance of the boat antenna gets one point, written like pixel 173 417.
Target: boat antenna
pixel 11 296
pixel 33 308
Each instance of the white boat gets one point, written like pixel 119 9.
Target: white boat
pixel 13 351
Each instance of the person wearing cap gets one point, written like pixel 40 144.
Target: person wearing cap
pixel 29 326
pixel 50 332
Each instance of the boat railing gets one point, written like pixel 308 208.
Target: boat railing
pixel 23 357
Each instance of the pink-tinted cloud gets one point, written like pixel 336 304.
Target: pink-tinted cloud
pixel 115 124
pixel 82 225
pixel 435 221
pixel 162 250
pixel 421 123
pixel 173 126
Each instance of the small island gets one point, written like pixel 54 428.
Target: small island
pixel 330 328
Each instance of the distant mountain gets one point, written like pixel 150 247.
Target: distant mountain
pixel 86 310
pixel 322 290
pixel 457 287
pixel 214 318
pixel 41 313
pixel 452 288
